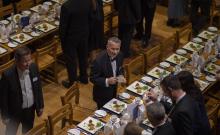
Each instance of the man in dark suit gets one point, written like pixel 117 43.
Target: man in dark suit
pixel 148 8
pixel 129 14
pixel 21 93
pixel 74 33
pixel 200 14
pixel 105 72
pixel 156 115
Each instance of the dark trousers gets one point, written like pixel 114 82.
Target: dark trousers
pixel 148 15
pixel 26 118
pixel 125 33
pixel 199 20
pixel 78 50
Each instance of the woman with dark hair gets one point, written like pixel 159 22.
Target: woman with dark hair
pixel 188 85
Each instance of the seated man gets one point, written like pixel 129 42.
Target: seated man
pixel 156 115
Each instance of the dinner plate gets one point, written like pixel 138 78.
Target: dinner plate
pixel 165 64
pixel 207 35
pixel 12 45
pixel 4 41
pixel 100 113
pixel 26 12
pixel 47 3
pixel 35 34
pixel 138 88
pixel 210 78
pixel 5 22
pixel 124 95
pixel 212 29
pixel 2 50
pixel 147 79
pixel 57 23
pixel 197 40
pixel 73 132
pixel 181 52
pixel 192 46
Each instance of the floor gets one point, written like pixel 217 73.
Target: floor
pixel 52 91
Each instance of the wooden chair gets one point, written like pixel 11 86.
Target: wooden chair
pixel 213 12
pixel 40 129
pixel 64 113
pixel 45 57
pixel 6 10
pixel 152 57
pixel 183 35
pixel 72 96
pixel 134 69
pixel 168 46
pixel 212 108
pixel 5 66
pixel 23 5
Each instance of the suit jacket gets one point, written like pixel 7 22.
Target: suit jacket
pixel 184 116
pixel 74 22
pixel 129 11
pixel 12 94
pixel 165 129
pixel 100 70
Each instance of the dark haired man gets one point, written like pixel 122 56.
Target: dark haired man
pixel 22 93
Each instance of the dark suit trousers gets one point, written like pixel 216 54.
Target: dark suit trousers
pixel 199 20
pixel 148 15
pixel 78 49
pixel 125 34
pixel 26 118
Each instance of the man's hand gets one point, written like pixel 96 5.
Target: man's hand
pixel 121 79
pixel 152 95
pixel 112 80
pixel 40 112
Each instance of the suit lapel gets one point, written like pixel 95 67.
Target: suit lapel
pixel 108 66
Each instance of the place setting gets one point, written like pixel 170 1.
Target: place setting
pixel 115 106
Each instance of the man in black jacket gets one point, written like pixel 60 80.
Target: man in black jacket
pixel 148 8
pixel 157 116
pixel 129 14
pixel 21 93
pixel 74 33
pixel 105 70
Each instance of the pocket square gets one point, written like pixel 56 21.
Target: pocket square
pixel 35 79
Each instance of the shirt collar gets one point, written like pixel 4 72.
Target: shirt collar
pixel 179 98
pixel 21 73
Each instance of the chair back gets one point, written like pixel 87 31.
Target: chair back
pixel 168 46
pixel 73 92
pixel 183 35
pixel 6 66
pixel 6 10
pixel 134 69
pixel 152 57
pixel 40 129
pixel 212 112
pixel 50 49
pixel 64 113
pixel 24 5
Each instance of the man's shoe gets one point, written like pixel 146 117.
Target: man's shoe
pixel 66 84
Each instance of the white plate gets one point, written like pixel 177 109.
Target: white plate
pixel 57 23
pixel 97 125
pixel 73 132
pixel 212 68
pixel 2 50
pixel 124 95
pixel 35 34
pixel 147 79
pixel 14 18
pixel 41 28
pixel 47 3
pixel 17 39
pixel 202 84
pixel 110 106
pixel 212 29
pixel 4 41
pixel 197 40
pixel 194 47
pixel 36 8
pixel 156 72
pixel 207 35
pixel 210 78
pixel 5 22
pixel 100 113
pixel 181 51
pixel 138 88
pixel 26 12
pixel 12 45
pixel 165 64
pixel 177 59
pixel 26 30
